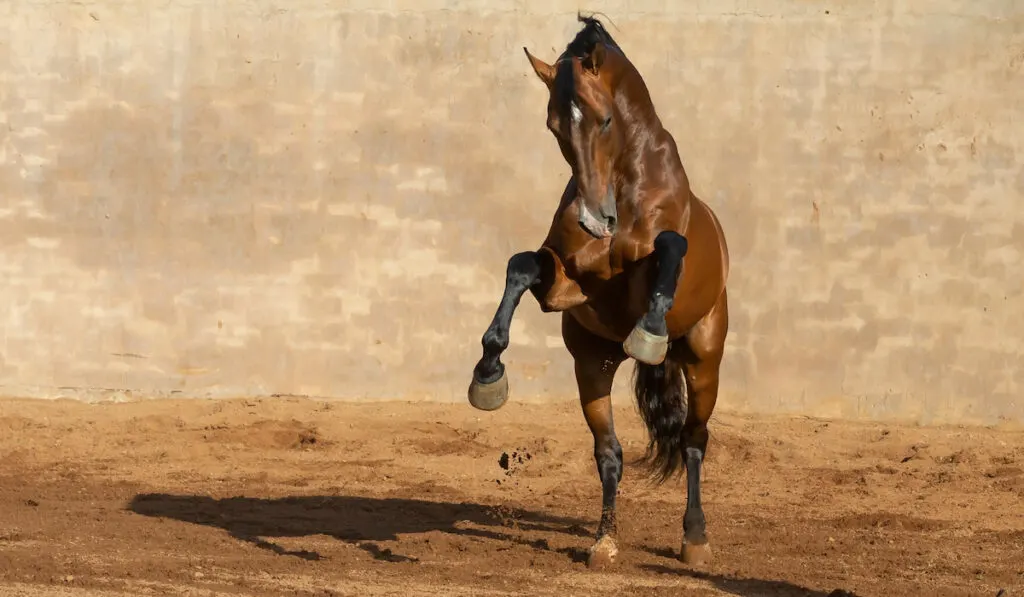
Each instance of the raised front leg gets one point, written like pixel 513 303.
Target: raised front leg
pixel 648 342
pixel 596 361
pixel 489 388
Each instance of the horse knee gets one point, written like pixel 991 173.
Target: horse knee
pixel 669 240
pixel 523 269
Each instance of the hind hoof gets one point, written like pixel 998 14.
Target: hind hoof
pixel 489 396
pixel 646 347
pixel 696 554
pixel 602 554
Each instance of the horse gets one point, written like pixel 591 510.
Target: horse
pixel 637 266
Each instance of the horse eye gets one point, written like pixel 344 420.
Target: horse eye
pixel 607 123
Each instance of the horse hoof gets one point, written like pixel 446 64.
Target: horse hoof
pixel 646 347
pixel 489 396
pixel 696 554
pixel 602 554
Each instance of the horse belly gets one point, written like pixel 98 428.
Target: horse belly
pixel 599 323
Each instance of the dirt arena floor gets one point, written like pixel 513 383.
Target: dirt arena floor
pixel 300 497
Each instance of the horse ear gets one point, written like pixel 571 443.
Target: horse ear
pixel 545 71
pixel 596 58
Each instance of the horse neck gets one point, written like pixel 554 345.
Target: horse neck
pixel 646 134
pixel 647 140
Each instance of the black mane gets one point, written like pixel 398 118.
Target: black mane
pixel 581 47
pixel 593 33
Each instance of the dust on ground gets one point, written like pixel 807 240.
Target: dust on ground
pixel 301 497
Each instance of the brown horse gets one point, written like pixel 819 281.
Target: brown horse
pixel 636 264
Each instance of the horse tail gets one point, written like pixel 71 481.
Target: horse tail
pixel 662 403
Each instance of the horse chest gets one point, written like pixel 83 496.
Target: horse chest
pixel 589 269
pixel 616 291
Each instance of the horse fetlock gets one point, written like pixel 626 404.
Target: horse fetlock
pixel 645 346
pixel 654 324
pixel 489 395
pixel 602 553
pixel 694 525
pixel 495 340
pixel 654 320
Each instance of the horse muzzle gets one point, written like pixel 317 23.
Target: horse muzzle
pixel 600 223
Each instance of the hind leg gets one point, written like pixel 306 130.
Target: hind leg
pixel 704 348
pixel 596 361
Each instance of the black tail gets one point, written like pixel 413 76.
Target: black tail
pixel 662 401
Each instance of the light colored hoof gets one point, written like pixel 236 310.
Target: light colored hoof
pixel 489 396
pixel 602 554
pixel 696 554
pixel 645 346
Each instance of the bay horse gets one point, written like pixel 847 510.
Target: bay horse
pixel 637 266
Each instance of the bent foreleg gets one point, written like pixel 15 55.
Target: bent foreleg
pixel 648 342
pixel 489 388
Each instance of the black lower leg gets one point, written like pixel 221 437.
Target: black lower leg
pixel 669 250
pixel 696 441
pixel 608 454
pixel 523 271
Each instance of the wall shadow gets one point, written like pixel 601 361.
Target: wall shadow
pixel 361 521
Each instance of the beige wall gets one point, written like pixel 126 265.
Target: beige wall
pixel 223 198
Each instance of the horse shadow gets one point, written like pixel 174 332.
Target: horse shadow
pixel 367 521
pixel 736 585
pixel 361 521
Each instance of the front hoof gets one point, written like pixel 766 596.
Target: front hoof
pixel 602 554
pixel 646 347
pixel 696 554
pixel 489 396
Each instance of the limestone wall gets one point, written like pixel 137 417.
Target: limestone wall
pixel 225 198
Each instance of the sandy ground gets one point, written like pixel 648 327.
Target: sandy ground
pixel 301 497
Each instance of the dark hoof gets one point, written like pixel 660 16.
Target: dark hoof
pixel 696 554
pixel 489 396
pixel 646 347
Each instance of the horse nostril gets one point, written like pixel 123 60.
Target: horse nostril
pixel 611 222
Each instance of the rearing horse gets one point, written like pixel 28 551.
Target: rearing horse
pixel 636 264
